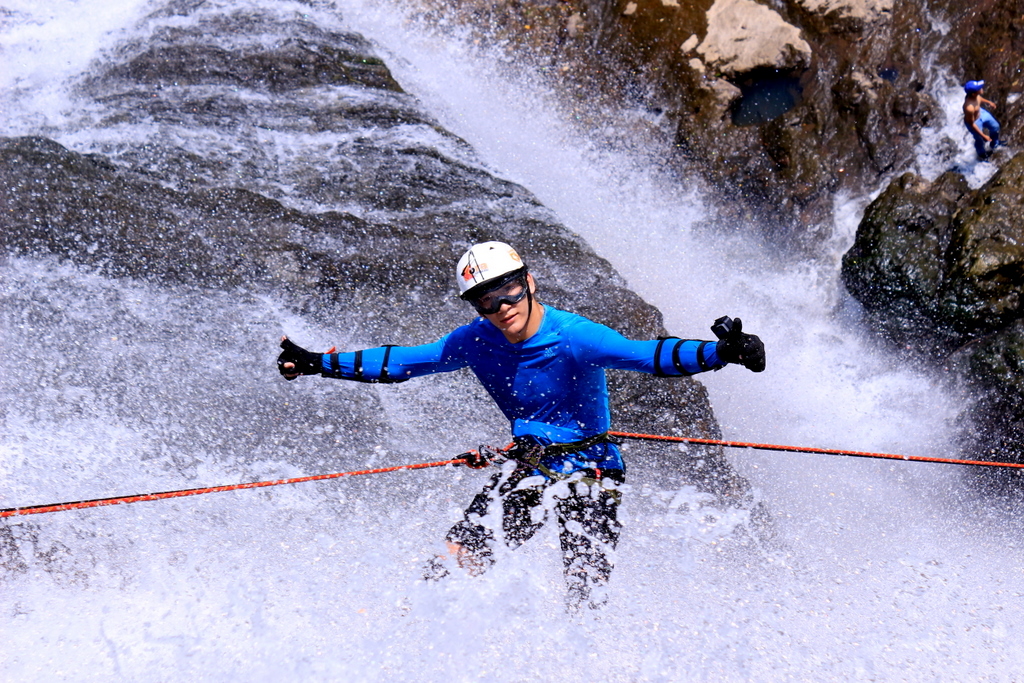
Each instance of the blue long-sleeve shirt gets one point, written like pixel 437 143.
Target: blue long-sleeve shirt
pixel 551 387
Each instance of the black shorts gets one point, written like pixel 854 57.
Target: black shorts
pixel 585 501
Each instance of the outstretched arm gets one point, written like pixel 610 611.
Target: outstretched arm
pixel 669 357
pixel 385 364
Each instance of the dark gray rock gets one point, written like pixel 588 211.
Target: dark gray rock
pixel 986 256
pixel 896 266
pixel 305 55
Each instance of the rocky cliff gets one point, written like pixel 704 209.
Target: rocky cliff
pixel 778 104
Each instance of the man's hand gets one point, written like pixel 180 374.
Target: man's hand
pixel 736 347
pixel 295 360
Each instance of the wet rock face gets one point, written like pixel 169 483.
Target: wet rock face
pixel 306 56
pixel 986 256
pixel 844 16
pixel 779 134
pixel 262 154
pixel 896 266
pixel 844 124
pixel 939 268
pixel 987 43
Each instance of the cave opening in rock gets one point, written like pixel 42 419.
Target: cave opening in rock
pixel 766 96
pixel 888 73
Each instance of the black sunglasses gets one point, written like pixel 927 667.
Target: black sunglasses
pixel 509 293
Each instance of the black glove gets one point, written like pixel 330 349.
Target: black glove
pixel 305 362
pixel 736 347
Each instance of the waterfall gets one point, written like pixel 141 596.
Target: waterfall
pixel 885 570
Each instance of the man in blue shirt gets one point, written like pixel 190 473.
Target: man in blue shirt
pixel 982 126
pixel 545 369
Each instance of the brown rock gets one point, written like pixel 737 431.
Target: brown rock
pixel 745 36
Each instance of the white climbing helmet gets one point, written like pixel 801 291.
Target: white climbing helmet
pixel 488 263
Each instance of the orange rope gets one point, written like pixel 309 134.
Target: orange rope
pixel 823 451
pixel 99 502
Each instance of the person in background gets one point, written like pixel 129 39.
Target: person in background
pixel 545 369
pixel 980 123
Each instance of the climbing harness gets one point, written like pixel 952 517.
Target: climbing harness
pixel 528 453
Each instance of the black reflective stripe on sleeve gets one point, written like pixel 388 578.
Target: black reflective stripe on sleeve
pixel 658 372
pixel 358 367
pixel 701 360
pixel 677 362
pixel 385 376
pixel 358 371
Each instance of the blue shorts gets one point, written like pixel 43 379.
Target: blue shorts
pixel 990 126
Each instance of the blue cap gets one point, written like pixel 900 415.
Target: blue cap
pixel 974 86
